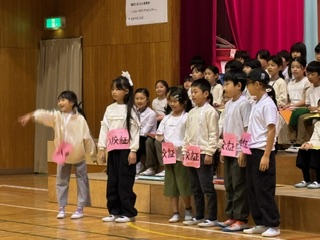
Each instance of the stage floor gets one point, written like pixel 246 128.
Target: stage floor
pixel 27 214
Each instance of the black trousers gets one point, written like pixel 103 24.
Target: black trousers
pixel 120 196
pixel 261 188
pixel 201 187
pixel 306 160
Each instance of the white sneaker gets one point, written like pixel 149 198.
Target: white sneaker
pixel 188 214
pixel 193 221
pixel 256 230
pixel 161 174
pixel 148 172
pixel 314 185
pixel 302 184
pixel 61 215
pixel 110 218
pixel 271 232
pixel 175 218
pixel 77 215
pixel 292 149
pixel 208 223
pixel 124 219
pixel 138 167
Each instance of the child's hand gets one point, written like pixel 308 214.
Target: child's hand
pixel 207 160
pixel 306 146
pixel 221 158
pixel 132 158
pixel 23 120
pixel 242 160
pixel 102 156
pixel 264 163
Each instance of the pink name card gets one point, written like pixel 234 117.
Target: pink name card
pixel 169 155
pixel 229 147
pixel 62 152
pixel 245 139
pixel 192 157
pixel 118 139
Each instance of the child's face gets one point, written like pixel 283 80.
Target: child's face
pixel 118 94
pixel 196 74
pixel 247 69
pixel 273 69
pixel 65 105
pixel 263 62
pixel 187 85
pixel 317 56
pixel 175 105
pixel 284 62
pixel 314 78
pixel 231 90
pixel 140 100
pixel 295 55
pixel 210 76
pixel 160 90
pixel 252 87
pixel 198 96
pixel 297 70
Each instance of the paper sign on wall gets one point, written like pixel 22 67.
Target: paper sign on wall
pixel 140 12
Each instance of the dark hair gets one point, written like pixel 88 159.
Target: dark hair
pixel 263 54
pixel 277 60
pixel 241 54
pixel 144 91
pixel 233 64
pixel 236 76
pixel 181 95
pixel 164 83
pixel 205 86
pixel 213 69
pixel 72 97
pixel 187 79
pixel 299 47
pixel 197 60
pixel 252 63
pixel 313 66
pixel 300 60
pixel 317 48
pixel 199 68
pixel 122 83
pixel 272 93
pixel 284 54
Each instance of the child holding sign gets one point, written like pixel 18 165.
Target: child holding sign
pixel 261 167
pixel 119 135
pixel 171 131
pixel 72 139
pixel 236 119
pixel 200 143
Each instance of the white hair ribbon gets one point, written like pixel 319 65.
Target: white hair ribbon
pixel 127 75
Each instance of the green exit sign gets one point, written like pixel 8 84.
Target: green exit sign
pixel 54 23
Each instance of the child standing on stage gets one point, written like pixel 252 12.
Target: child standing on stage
pixel 261 168
pixel 71 130
pixel 120 121
pixel 201 137
pixel 237 208
pixel 148 121
pixel 171 130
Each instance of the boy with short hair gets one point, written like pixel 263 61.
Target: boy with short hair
pixel 238 108
pixel 261 167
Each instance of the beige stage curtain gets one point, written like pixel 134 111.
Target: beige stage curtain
pixel 60 68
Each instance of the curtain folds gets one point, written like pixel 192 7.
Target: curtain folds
pixel 59 69
pixel 267 24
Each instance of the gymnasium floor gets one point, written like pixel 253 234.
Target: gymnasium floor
pixel 26 214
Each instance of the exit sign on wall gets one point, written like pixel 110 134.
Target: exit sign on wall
pixel 54 23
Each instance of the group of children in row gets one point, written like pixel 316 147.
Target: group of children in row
pixel 190 133
pixel 194 134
